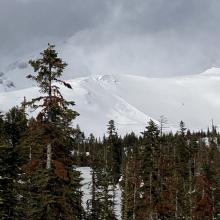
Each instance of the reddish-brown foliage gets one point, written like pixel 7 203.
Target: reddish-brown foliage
pixel 31 166
pixel 60 170
pixel 204 203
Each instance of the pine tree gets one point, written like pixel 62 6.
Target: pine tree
pixel 114 151
pixel 130 181
pixel 101 206
pixel 55 109
pixel 149 166
pixel 50 168
pixel 105 174
pixel 15 125
pixel 12 128
pixel 7 198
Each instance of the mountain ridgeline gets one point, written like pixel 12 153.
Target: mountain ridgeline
pixel 160 174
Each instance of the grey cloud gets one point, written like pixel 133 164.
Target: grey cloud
pixel 25 21
pixel 152 37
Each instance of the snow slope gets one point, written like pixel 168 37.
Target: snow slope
pixel 97 102
pixel 195 99
pixel 132 100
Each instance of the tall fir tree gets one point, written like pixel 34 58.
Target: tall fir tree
pixel 114 151
pixel 149 167
pixel 12 129
pixel 54 186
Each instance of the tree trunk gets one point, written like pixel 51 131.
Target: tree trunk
pixel 125 215
pixel 49 156
pixel 49 149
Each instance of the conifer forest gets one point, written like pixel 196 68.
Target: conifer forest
pixel 160 175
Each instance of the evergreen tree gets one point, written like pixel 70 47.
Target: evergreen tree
pixel 102 205
pixel 12 128
pixel 50 169
pixel 114 151
pixel 150 163
pixel 130 180
pixel 7 197
pixel 15 125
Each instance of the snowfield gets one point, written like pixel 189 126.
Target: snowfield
pixel 133 100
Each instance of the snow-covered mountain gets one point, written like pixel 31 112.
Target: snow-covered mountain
pixel 132 100
pixel 97 101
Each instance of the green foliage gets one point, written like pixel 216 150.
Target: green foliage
pixel 12 128
pixel 49 69
pixel 114 152
pixel 51 192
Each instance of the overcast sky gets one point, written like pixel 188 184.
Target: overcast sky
pixel 147 37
